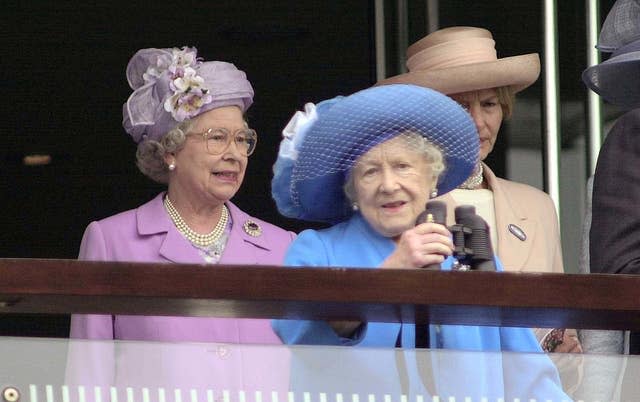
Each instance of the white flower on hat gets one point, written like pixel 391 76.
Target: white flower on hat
pixel 189 93
pixel 295 131
pixel 171 85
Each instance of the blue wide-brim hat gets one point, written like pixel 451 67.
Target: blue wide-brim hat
pixel 321 146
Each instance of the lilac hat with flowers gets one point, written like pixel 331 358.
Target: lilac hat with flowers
pixel 172 85
pixel 321 145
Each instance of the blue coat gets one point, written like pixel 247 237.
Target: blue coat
pixel 354 243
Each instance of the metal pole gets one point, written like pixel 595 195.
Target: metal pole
pixel 403 35
pixel 551 104
pixel 433 15
pixel 381 48
pixel 594 132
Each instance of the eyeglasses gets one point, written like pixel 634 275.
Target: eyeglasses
pixel 218 140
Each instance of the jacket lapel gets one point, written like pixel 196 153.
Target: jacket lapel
pixel 512 223
pixel 241 247
pixel 176 248
pixel 154 219
pixel 512 251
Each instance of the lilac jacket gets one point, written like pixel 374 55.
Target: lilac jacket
pixel 147 234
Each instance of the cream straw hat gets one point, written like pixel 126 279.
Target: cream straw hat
pixel 462 59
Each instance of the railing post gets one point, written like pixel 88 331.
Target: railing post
pixel 594 132
pixel 381 49
pixel 551 103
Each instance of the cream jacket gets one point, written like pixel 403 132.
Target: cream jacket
pixel 521 209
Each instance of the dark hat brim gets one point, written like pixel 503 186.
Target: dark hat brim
pixel 617 80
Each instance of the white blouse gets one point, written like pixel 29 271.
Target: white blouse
pixel 482 199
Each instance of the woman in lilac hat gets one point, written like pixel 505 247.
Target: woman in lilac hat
pixel 186 116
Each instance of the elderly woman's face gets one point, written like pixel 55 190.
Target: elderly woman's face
pixel 392 183
pixel 201 175
pixel 486 111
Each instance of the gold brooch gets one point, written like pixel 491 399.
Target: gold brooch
pixel 252 228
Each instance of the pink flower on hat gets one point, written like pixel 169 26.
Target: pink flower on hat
pixel 171 85
pixel 189 92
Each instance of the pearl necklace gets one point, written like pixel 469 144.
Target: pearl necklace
pixel 197 239
pixel 475 180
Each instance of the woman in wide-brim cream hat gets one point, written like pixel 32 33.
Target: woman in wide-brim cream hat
pixel 462 62
pixel 461 59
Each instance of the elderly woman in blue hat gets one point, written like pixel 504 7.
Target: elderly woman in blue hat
pixel 368 163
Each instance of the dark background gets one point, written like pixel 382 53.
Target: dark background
pixel 63 86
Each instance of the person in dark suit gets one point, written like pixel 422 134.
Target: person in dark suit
pixel 614 243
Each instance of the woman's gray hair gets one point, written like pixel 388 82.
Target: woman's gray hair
pixel 416 142
pixel 150 153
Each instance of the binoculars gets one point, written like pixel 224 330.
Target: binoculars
pixel 471 239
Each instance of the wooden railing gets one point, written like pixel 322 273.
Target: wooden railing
pixel 480 298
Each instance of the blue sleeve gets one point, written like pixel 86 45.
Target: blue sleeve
pixel 309 249
pixel 517 339
pixel 304 332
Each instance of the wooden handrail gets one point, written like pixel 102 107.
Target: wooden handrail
pixel 595 301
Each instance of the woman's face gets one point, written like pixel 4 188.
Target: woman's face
pixel 392 184
pixel 486 111
pixel 208 178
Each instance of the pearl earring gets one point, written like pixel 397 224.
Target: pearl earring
pixel 172 166
pixel 354 206
pixel 434 193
